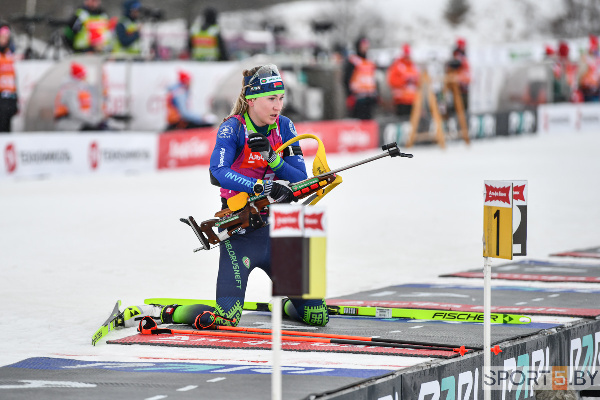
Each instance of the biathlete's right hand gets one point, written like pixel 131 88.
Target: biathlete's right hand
pixel 278 192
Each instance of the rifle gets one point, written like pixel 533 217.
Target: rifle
pixel 245 211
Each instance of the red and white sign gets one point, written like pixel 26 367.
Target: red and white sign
pixel 10 158
pixel 340 136
pixel 186 148
pixel 286 220
pixel 497 194
pixel 520 193
pixel 315 222
pixel 568 118
pixel 121 152
pixel 47 154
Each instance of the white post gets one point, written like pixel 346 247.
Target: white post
pixel 276 313
pixel 487 300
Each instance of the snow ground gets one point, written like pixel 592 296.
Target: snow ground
pixel 72 246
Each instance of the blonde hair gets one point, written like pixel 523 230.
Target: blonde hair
pixel 240 107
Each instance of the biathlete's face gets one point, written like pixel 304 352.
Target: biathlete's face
pixel 265 110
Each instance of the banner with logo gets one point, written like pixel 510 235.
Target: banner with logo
pixel 186 148
pixel 341 136
pixel 49 154
pixel 569 118
pixel 570 356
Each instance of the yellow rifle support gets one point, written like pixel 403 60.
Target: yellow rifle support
pixel 319 165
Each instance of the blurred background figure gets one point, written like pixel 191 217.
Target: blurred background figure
pixel 403 77
pixel 179 116
pixel 88 29
pixel 589 82
pixel 78 105
pixel 8 85
pixel 206 43
pixel 360 82
pixel 459 71
pixel 565 83
pixel 126 40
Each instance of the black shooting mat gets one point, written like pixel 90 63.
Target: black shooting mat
pixel 534 270
pixel 592 252
pixel 452 334
pixel 505 299
pixel 63 378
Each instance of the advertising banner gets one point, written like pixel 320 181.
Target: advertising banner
pixel 566 359
pixel 186 148
pixel 569 118
pixel 49 154
pixel 341 136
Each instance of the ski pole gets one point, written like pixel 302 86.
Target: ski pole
pixel 148 327
pixel 413 344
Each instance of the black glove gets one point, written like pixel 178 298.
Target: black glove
pixel 260 144
pixel 278 192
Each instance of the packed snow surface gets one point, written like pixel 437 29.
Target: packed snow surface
pixel 72 246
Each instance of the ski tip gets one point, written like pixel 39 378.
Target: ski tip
pixel 524 319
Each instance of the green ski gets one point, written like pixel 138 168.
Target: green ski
pixel 379 312
pixel 114 320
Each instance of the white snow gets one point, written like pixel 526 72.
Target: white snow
pixel 72 246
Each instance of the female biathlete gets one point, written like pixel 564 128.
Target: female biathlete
pixel 243 160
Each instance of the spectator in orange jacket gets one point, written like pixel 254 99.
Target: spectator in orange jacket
pixel 566 84
pixel 8 86
pixel 78 105
pixel 589 83
pixel 360 82
pixel 403 77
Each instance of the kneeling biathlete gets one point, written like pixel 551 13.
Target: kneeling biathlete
pixel 243 160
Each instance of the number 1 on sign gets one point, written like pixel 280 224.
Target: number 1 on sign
pixel 497 216
pixel 497 227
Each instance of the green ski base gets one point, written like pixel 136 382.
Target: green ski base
pixel 410 313
pixel 113 321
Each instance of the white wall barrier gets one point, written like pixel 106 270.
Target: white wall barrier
pixel 51 154
pixel 569 118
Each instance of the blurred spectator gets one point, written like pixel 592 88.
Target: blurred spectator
pixel 565 83
pixel 589 83
pixel 179 116
pixel 403 78
pixel 8 86
pixel 458 71
pixel 359 82
pixel 88 29
pixel 206 43
pixel 78 105
pixel 127 31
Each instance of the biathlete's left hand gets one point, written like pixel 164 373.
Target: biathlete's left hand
pixel 260 144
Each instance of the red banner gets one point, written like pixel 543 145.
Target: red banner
pixel 286 220
pixel 186 148
pixel 340 136
pixel 501 194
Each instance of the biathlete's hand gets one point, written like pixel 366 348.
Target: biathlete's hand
pixel 278 192
pixel 260 144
